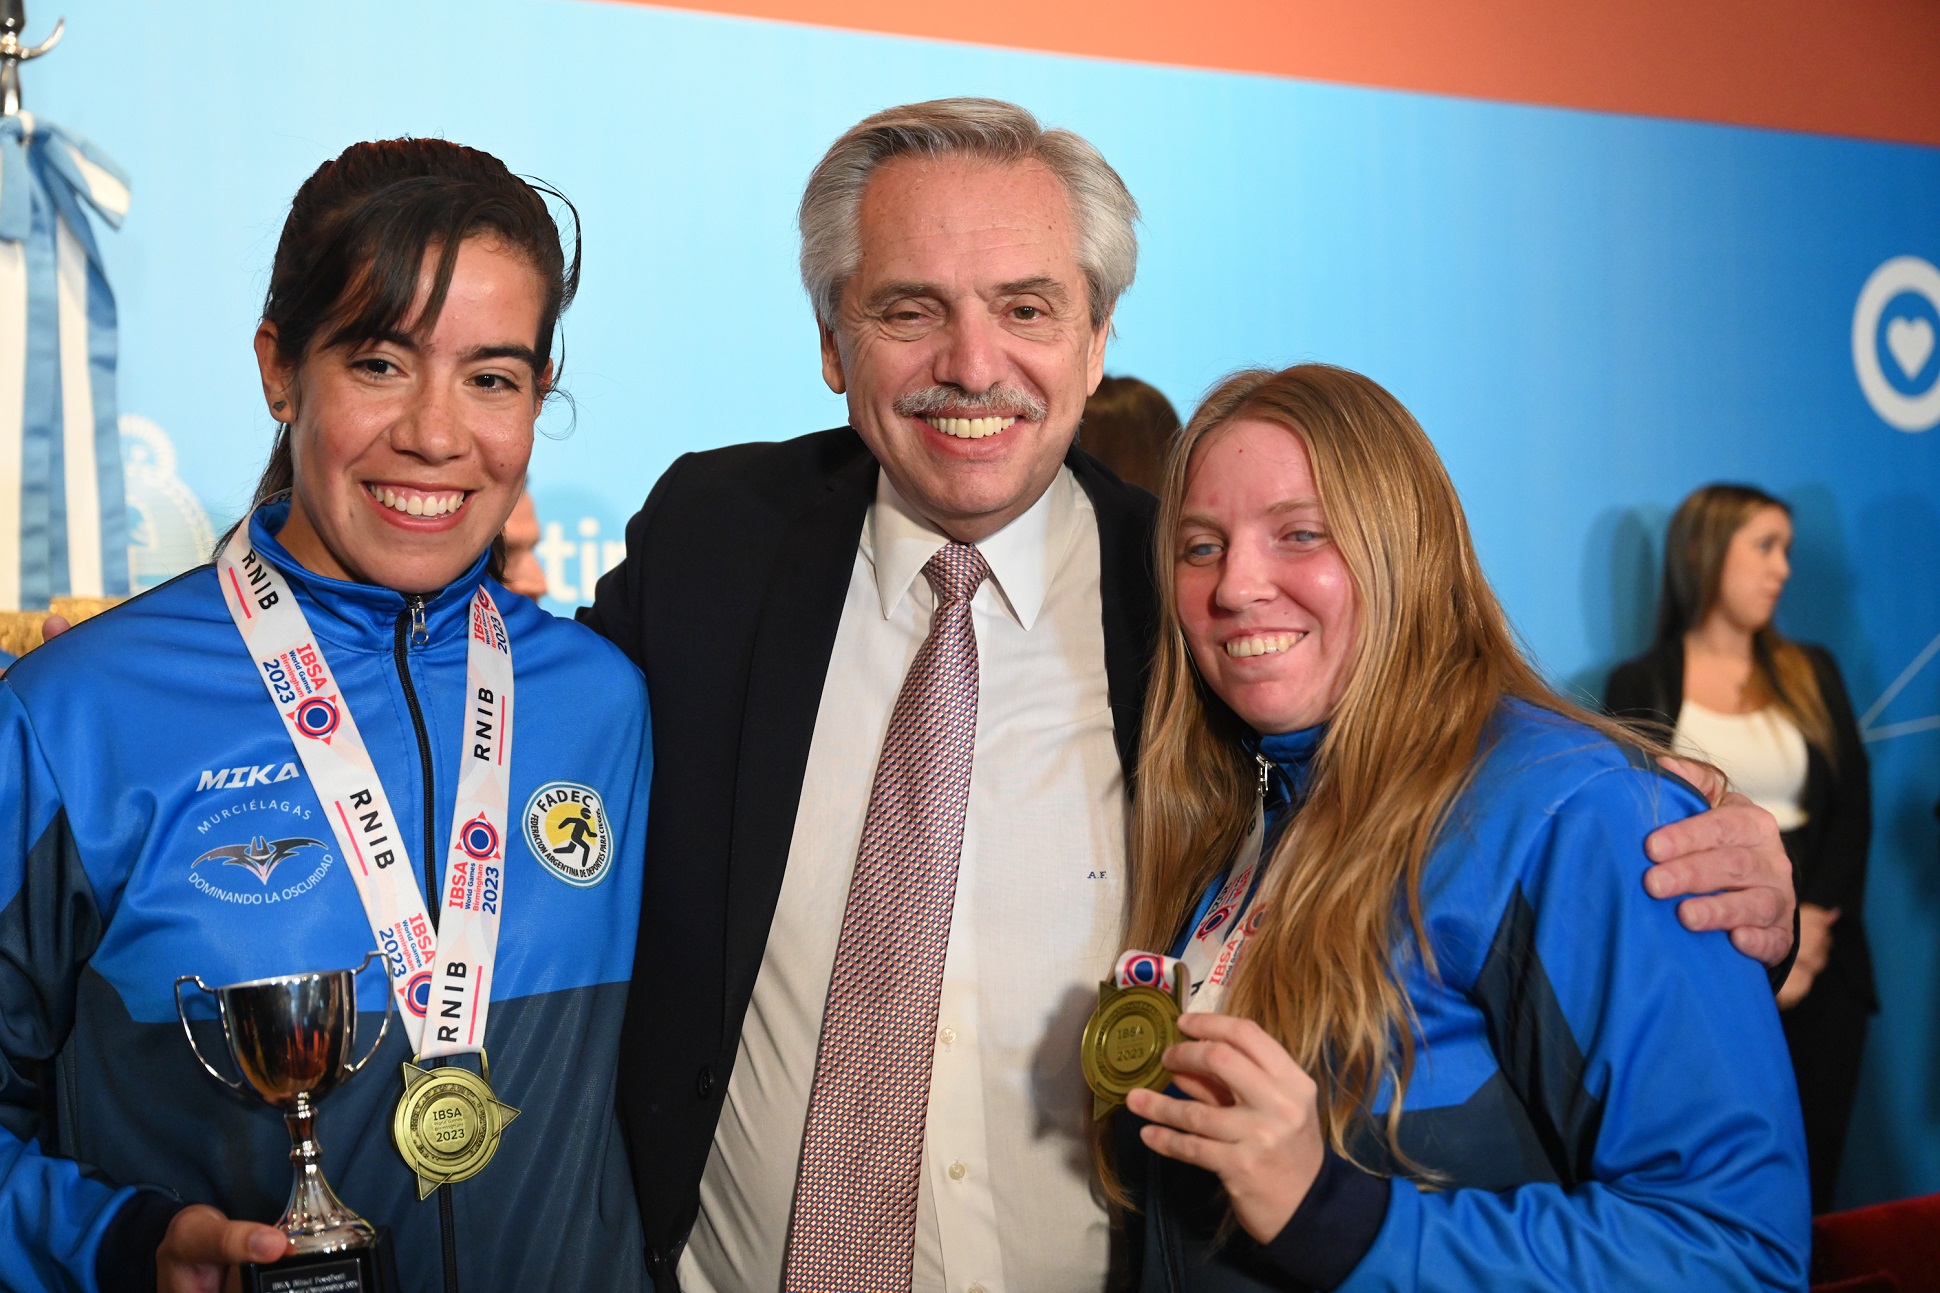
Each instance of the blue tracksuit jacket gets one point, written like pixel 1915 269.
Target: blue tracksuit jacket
pixel 139 757
pixel 1606 1097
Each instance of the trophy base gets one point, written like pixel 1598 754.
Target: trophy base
pixel 349 1270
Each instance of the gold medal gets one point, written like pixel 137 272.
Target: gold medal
pixel 1125 1040
pixel 447 1123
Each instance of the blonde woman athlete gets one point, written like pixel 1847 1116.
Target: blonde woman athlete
pixel 1440 1037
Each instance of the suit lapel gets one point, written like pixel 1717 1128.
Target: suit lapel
pixel 794 638
pixel 1129 593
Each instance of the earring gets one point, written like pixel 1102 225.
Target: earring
pixel 278 406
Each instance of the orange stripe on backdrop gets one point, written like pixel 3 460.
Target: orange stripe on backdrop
pixel 1849 67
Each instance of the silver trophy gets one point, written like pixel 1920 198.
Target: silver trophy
pixel 290 1039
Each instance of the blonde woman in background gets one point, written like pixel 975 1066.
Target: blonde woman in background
pixel 1439 1036
pixel 1773 715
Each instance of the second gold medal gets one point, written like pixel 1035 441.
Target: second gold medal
pixel 447 1124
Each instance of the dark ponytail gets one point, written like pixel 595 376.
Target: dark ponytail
pixel 349 262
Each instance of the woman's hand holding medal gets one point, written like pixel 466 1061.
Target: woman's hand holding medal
pixel 1252 1118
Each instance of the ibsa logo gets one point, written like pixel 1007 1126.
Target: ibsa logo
pixel 566 826
pixel 1895 326
pixel 488 629
pixel 1214 919
pixel 317 718
pixel 417 993
pixel 478 838
pixel 1143 970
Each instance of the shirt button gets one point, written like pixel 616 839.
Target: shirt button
pixel 947 1036
pixel 957 1171
pixel 974 1288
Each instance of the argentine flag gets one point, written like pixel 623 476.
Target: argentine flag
pixel 63 517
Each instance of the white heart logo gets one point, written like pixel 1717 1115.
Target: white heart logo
pixel 1911 341
pixel 1909 338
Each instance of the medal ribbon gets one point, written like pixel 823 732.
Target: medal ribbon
pixel 441 977
pixel 1225 921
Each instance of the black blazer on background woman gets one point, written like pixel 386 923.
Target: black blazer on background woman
pixel 1829 852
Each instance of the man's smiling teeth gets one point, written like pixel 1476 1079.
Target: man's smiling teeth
pixel 418 502
pixel 1262 644
pixel 969 428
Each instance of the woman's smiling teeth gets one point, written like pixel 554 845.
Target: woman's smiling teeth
pixel 1262 644
pixel 969 428
pixel 418 502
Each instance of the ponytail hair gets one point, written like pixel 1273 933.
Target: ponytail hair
pixel 349 264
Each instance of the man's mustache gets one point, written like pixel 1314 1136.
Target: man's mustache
pixel 1000 401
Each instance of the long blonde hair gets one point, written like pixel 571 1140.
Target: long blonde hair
pixel 1700 536
pixel 1435 657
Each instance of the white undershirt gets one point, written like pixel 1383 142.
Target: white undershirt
pixel 1006 1200
pixel 1762 752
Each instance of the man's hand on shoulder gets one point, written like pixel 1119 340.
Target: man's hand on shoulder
pixel 202 1249
pixel 1731 854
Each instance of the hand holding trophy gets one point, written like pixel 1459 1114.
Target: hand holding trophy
pixel 290 1038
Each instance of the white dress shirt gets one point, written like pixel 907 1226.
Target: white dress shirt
pixel 1006 1200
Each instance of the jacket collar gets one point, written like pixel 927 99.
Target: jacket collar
pixel 1292 757
pixel 360 617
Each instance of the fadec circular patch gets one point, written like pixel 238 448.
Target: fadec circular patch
pixel 566 827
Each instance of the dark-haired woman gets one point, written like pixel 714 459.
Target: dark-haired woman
pixel 1773 715
pixel 1438 1035
pixel 344 735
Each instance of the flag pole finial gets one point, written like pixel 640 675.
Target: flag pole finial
pixel 14 52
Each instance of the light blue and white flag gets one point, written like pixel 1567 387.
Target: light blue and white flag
pixel 63 517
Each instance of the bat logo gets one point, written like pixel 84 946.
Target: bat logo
pixel 259 856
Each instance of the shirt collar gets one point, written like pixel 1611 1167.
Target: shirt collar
pixel 1023 556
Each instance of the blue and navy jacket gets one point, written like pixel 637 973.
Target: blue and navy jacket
pixel 1605 1099
pixel 155 822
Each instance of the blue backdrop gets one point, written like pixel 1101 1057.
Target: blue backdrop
pixel 1591 314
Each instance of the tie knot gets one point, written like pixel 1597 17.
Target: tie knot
pixel 956 571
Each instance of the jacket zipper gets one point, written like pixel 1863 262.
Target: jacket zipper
pixel 412 631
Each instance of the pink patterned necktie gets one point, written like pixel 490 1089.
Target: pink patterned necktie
pixel 854 1224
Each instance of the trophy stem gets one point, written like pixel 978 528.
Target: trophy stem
pixel 315 1220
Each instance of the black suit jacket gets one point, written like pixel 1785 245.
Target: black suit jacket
pixel 736 570
pixel 1829 852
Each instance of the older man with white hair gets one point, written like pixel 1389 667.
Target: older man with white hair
pixel 897 672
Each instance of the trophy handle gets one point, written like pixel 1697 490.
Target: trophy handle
pixel 382 1028
pixel 189 1033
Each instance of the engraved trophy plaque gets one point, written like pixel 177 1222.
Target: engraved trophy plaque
pixel 290 1039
